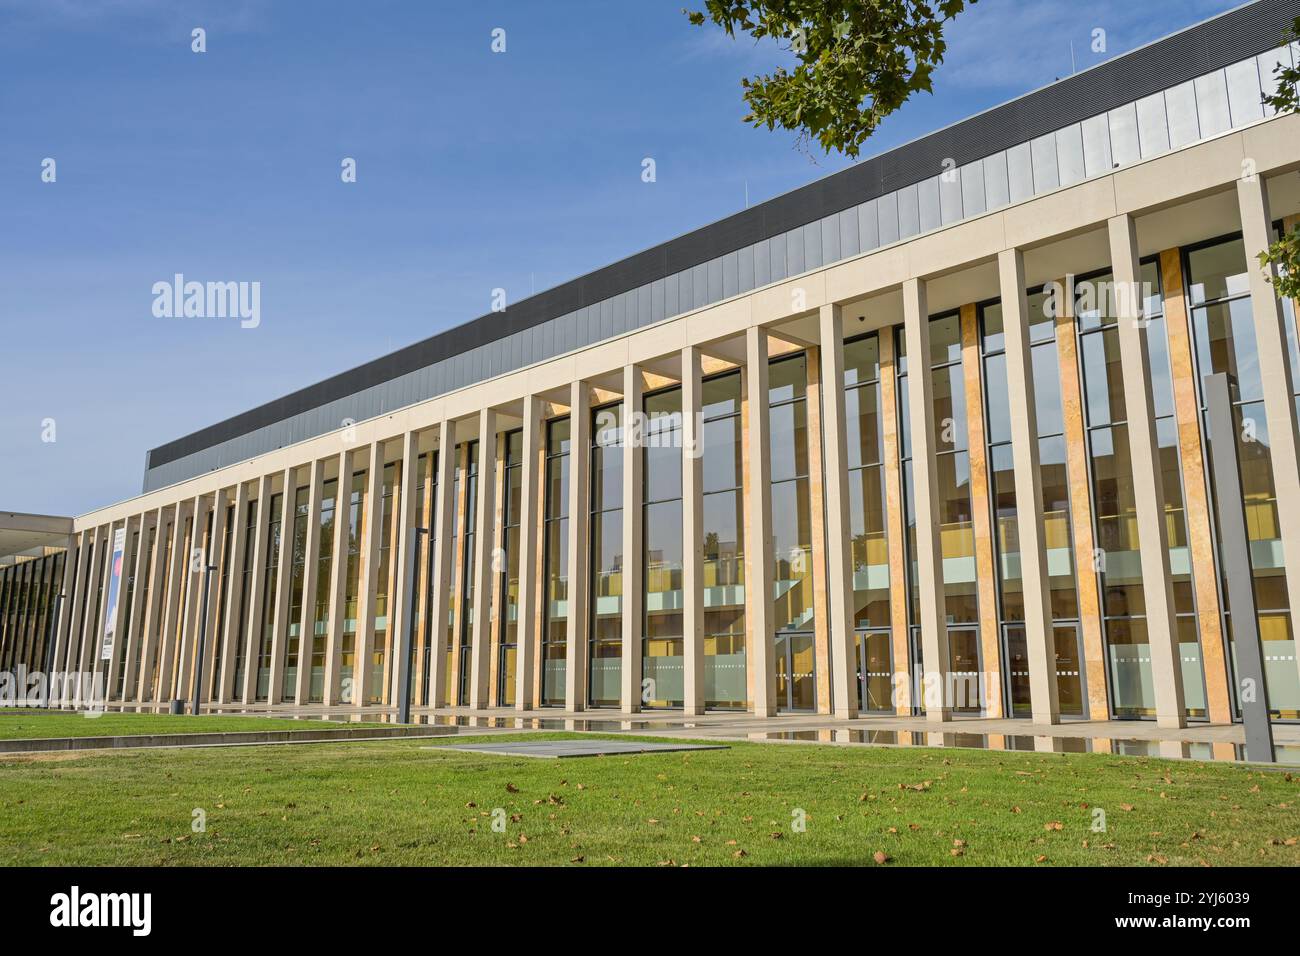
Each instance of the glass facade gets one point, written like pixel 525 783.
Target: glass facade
pixel 1224 338
pixel 1058 535
pixel 555 563
pixel 1074 364
pixel 351 585
pixel 1118 560
pixel 956 521
pixel 508 580
pixel 469 541
pixel 245 585
pixel 794 609
pixel 662 675
pixel 870 550
pixel 297 581
pixel 269 581
pixel 725 681
pixel 377 689
pixel 144 598
pixel 605 634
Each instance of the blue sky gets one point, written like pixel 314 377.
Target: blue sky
pixel 475 171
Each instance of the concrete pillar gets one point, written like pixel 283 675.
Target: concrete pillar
pixel 1040 641
pixel 72 562
pixel 759 571
pixel 424 632
pixel 218 548
pixel 156 609
pixel 443 532
pixel 227 642
pixel 822 669
pixel 283 569
pixel 634 539
pixel 201 554
pixel 310 575
pixel 367 587
pixel 575 668
pixel 529 568
pixel 1082 530
pixel 982 514
pixel 692 531
pixel 400 612
pixel 131 563
pixel 338 598
pixel 1196 496
pixel 86 646
pixel 257 596
pixel 1275 377
pixel 177 579
pixel 925 486
pixel 481 635
pixel 1148 480
pixel 76 576
pixel 839 540
pixel 142 563
pixel 895 523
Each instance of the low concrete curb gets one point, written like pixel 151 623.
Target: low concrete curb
pixel 28 745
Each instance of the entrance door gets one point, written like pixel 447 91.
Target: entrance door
pixel 875 672
pixel 506 678
pixel 964 672
pixel 1069 669
pixel 796 672
pixel 1015 651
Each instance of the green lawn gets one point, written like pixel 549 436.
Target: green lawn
pixel 19 722
pixel 414 802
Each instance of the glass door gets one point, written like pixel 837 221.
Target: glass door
pixel 875 672
pixel 1069 669
pixel 964 674
pixel 1015 651
pixel 796 672
pixel 506 678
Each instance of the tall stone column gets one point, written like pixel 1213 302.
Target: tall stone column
pixel 529 520
pixel 481 636
pixel 372 536
pixel 925 485
pixel 1148 480
pixel 443 532
pixel 575 668
pixel 227 642
pixel 1040 640
pixel 838 537
pixel 759 570
pixel 633 538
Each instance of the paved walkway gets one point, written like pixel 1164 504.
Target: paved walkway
pixel 1198 740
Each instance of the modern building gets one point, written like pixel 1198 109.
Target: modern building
pixel 910 427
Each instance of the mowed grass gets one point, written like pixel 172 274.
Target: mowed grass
pixel 18 722
pixel 413 802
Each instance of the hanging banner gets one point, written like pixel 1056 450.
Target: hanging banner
pixel 114 589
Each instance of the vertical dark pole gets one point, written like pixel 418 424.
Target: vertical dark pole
pixel 203 639
pixel 47 664
pixel 1235 550
pixel 408 609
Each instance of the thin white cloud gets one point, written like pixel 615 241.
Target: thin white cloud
pixel 1015 46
